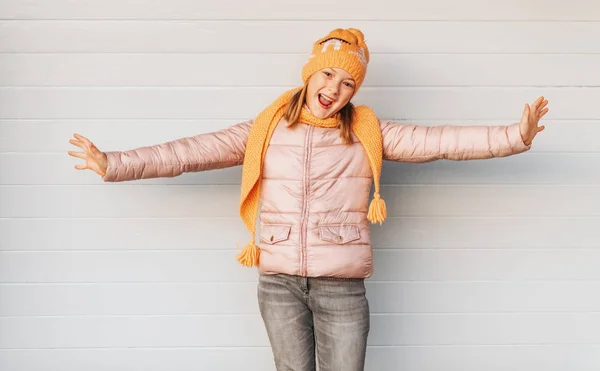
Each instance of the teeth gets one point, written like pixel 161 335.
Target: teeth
pixel 327 99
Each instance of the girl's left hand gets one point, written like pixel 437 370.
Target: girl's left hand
pixel 529 121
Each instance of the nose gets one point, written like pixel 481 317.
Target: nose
pixel 333 88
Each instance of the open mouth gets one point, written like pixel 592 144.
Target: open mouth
pixel 325 101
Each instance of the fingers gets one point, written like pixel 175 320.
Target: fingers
pixel 95 151
pixel 85 144
pixel 77 143
pixel 541 128
pixel 538 108
pixel 539 104
pixel 78 154
pixel 540 114
pixel 82 139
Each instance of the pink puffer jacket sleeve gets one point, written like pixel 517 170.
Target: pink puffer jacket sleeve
pixel 220 149
pixel 414 143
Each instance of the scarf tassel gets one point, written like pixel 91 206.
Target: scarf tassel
pixel 249 255
pixel 377 210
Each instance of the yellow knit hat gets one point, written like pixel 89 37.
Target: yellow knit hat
pixel 341 48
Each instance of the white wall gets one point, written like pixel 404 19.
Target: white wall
pixel 483 265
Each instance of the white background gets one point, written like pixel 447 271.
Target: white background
pixel 482 265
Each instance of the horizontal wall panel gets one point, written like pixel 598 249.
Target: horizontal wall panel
pixel 118 200
pixel 128 299
pixel 190 36
pixel 248 330
pixel 245 103
pixel 127 331
pixel 56 169
pixel 100 299
pixel 271 9
pixel 480 232
pixel 130 199
pixel 548 357
pixel 132 234
pixel 140 359
pixel 396 233
pixel 125 266
pixel 481 297
pixel 54 135
pixel 284 70
pixel 581 357
pixel 221 266
pixel 473 265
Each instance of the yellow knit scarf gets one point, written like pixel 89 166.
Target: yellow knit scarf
pixel 365 127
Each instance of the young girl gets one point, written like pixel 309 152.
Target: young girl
pixel 309 159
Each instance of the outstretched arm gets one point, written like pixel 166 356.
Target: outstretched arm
pixel 413 143
pixel 208 151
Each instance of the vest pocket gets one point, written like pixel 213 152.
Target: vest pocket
pixel 339 233
pixel 273 233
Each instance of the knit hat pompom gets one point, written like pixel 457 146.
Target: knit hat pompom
pixel 341 48
pixel 360 40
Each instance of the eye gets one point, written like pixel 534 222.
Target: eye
pixel 328 74
pixel 349 85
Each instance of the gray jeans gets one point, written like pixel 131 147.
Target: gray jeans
pixel 315 320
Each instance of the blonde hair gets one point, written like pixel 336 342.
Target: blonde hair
pixel 294 108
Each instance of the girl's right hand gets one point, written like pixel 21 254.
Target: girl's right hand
pixel 94 158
